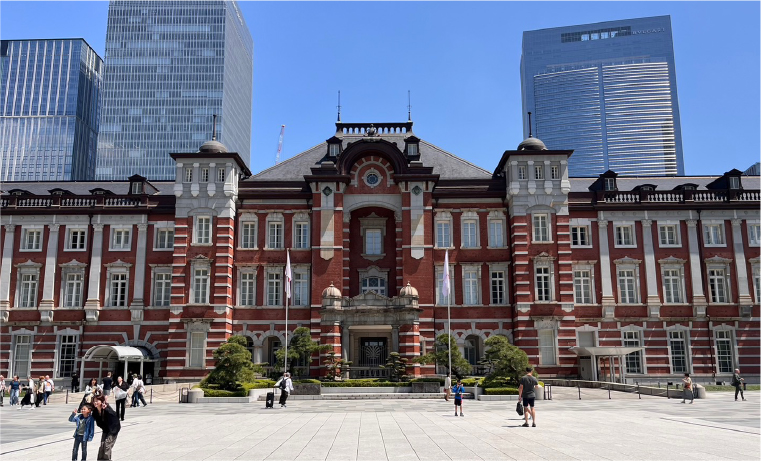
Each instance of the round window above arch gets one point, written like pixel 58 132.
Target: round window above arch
pixel 372 178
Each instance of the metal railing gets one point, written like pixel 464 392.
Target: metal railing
pixel 368 372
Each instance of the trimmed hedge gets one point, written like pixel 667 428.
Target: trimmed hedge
pixel 209 390
pixel 472 382
pixel 714 388
pixel 363 383
pixel 501 391
pixel 307 381
pixel 429 380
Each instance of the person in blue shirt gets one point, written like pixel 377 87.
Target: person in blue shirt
pixel 458 390
pixel 84 432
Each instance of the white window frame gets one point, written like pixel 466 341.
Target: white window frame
pixel 301 286
pixel 373 272
pixel 275 221
pixel 67 333
pixel 205 174
pixel 619 235
pixel 73 268
pixel 629 264
pixel 165 273
pixel 755 268
pixel 590 278
pixel 83 243
pixel 16 337
pixel 754 234
pixel 247 286
pixel 541 228
pixel 36 243
pixel 197 332
pixel 188 177
pixel 725 333
pixel 274 286
pixel 248 240
pixel 27 268
pixel 221 174
pixel 27 297
pixel 547 340
pixel 119 280
pixel 723 280
pixel 685 336
pixel 714 234
pixel 609 184
pixel 498 269
pixel 372 242
pixel 471 280
pixel 166 243
pixel 443 221
pixel 544 267
pixel 576 232
pixel 119 233
pixel 627 342
pixel 538 172
pixel 497 237
pixel 663 231
pixel 522 172
pixel 202 229
pixel 301 241
pixel 470 220
pixel 555 172
pixel 200 284
pixel 671 265
pixel 440 299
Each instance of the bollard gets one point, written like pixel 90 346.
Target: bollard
pixel 67 396
pixel 639 394
pixel 151 395
pixel 579 387
pixel 668 394
pixel 608 391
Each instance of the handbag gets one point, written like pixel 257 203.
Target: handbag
pixel 120 393
pixel 519 408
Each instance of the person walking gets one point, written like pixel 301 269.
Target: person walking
pixel 120 394
pixel 108 421
pixel 286 387
pixel 40 396
pixel 737 381
pixel 138 388
pixel 49 388
pixel 2 389
pixel 526 392
pixel 84 432
pixel 687 391
pixel 31 389
pixel 15 386
pixel 75 381
pixel 107 383
pixel 447 386
pixel 458 390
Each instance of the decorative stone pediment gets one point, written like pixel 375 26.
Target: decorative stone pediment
pixel 627 260
pixel 118 263
pixel 29 264
pixel 544 256
pixel 73 264
pixel 672 260
pixel 718 260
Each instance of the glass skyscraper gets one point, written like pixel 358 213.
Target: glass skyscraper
pixel 170 66
pixel 607 91
pixel 49 92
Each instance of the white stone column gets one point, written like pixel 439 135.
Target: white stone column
pixel 742 269
pixel 5 271
pixel 93 286
pixel 258 353
pixel 608 300
pixel 653 301
pixel 47 303
pixel 139 285
pixel 345 339
pixel 698 296
pixel 395 338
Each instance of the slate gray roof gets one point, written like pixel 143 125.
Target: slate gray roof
pixel 83 187
pixel 445 164
pixel 627 183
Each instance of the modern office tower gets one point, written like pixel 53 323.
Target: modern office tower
pixel 49 92
pixel 607 91
pixel 170 66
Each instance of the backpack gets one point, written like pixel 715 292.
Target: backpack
pixel 735 381
pixel 282 384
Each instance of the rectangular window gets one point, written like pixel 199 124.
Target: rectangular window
pixel 411 150
pixel 579 236
pixel 541 228
pixel 443 234
pixel 248 235
pixel 469 234
pixel 610 184
pixel 555 172
pixel 724 349
pixel 672 286
pixel 547 347
pixel 220 174
pixel 33 239
pixel 669 234
pixel 300 288
pixel 119 290
pixel 678 352
pixel 734 182
pixel 625 235
pixel 335 149
pixel 757 282
pixel 538 172
pixel 21 356
pixel 73 291
pixel 28 290
pixel 582 286
pixel 275 235
pixel 521 172
pixel 201 286
pixel 470 287
pixel 197 340
pixel 714 234
pixel 376 284
pixel 498 287
pixel 162 289
pixel 627 286
pixel 67 356
pixel 496 234
pixel 247 284
pixel 188 175
pixel 274 289
pixel 77 239
pixel 137 188
pixel 204 175
pixel 121 240
pixel 165 239
pixel 373 242
pixel 717 283
pixel 543 287
pixel 440 298
pixel 302 235
pixel 633 360
pixel 754 235
pixel 203 230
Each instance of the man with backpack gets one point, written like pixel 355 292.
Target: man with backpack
pixel 286 387
pixel 737 382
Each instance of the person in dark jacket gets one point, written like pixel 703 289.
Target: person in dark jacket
pixel 106 419
pixel 120 394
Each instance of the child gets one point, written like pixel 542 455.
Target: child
pixel 458 390
pixel 84 432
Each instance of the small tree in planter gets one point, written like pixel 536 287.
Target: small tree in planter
pixel 509 361
pixel 336 366
pixel 440 356
pixel 397 367
pixel 232 365
pixel 300 347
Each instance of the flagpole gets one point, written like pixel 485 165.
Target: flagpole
pixel 287 297
pixel 449 315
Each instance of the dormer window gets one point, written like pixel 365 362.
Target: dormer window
pixel 412 146
pixel 137 188
pixel 690 187
pixel 610 183
pixel 334 150
pixel 188 175
pixel 334 147
pixel 734 182
pixel 647 188
pixel 411 149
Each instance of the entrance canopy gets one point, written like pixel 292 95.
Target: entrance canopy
pixel 117 353
pixel 614 351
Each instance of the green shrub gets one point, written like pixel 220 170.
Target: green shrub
pixel 714 388
pixel 501 391
pixel 307 381
pixel 359 383
pixel 429 380
pixel 472 382
pixel 223 393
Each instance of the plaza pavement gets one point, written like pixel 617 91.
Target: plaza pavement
pixel 622 428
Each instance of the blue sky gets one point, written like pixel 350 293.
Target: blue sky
pixel 460 60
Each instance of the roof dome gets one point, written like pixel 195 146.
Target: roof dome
pixel 532 143
pixel 331 292
pixel 408 290
pixel 212 147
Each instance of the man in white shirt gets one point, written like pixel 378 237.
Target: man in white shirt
pixel 49 388
pixel 286 387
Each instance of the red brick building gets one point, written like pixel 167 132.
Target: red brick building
pixel 572 270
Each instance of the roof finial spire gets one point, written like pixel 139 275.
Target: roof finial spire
pixel 214 128
pixel 409 107
pixel 529 124
pixel 339 105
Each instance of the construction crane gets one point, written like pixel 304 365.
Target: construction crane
pixel 280 144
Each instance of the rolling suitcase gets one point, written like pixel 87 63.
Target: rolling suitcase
pixel 270 400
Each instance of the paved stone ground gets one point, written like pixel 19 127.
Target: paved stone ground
pixel 622 428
